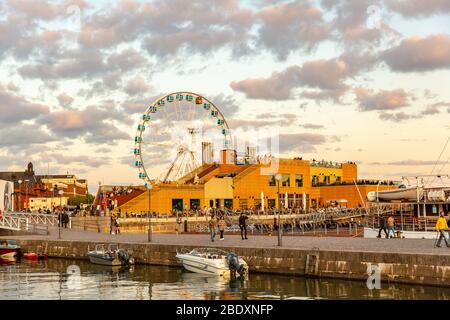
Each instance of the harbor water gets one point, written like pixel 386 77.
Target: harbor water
pixel 64 279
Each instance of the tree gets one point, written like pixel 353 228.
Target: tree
pixel 78 200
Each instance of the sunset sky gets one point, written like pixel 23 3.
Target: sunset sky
pixel 358 80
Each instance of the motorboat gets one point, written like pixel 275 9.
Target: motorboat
pixel 406 193
pixel 110 255
pixel 9 249
pixel 212 261
pixel 35 256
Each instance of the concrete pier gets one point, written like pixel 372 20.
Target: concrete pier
pixel 412 261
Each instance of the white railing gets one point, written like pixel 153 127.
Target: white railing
pixel 34 218
pixel 11 222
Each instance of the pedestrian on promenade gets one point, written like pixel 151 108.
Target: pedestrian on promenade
pixel 60 218
pixel 391 226
pixel 382 227
pixel 111 225
pixel 441 227
pixel 243 225
pixel 212 223
pixel 118 225
pixel 448 224
pixel 65 218
pixel 222 225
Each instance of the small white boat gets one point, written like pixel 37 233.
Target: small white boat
pixel 112 256
pixel 212 261
pixel 409 193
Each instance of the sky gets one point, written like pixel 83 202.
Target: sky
pixel 345 80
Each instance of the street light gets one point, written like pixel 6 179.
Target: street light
pixel 149 232
pixel 20 192
pixel 278 177
pixel 60 192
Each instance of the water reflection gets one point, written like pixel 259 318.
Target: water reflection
pixel 59 279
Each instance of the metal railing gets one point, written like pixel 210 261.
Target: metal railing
pixel 34 218
pixel 11 222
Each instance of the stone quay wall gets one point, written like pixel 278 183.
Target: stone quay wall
pixel 423 269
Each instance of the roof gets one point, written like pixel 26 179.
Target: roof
pixel 57 176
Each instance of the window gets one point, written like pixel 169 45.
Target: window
pixel 177 204
pixel 228 203
pixel 272 181
pixel 299 180
pixel 326 179
pixel 194 204
pixel 243 204
pixel 271 203
pixel 338 179
pixel 315 180
pixel 286 180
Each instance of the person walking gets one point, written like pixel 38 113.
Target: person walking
pixel 212 223
pixel 382 227
pixel 65 219
pixel 391 226
pixel 243 225
pixel 112 223
pixel 448 224
pixel 118 225
pixel 441 227
pixel 222 225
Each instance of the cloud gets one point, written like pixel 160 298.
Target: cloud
pixel 355 23
pixel 15 108
pixel 418 54
pixel 287 27
pixel 12 87
pixel 227 104
pixel 126 60
pixel 94 162
pixel 418 8
pixel 383 100
pixel 312 126
pixel 136 85
pixel 326 75
pixel 93 124
pixel 65 100
pixel 396 117
pixel 18 136
pixel 300 142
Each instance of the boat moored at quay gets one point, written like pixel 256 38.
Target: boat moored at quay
pixel 415 209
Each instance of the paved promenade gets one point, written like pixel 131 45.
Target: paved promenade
pixel 421 246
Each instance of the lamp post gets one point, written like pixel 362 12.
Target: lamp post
pixel 20 192
pixel 149 232
pixel 278 177
pixel 60 192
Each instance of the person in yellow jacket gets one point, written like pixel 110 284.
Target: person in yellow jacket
pixel 441 227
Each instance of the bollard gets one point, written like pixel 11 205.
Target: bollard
pixel 350 229
pixel 337 228
pixel 325 229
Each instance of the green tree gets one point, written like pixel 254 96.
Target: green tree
pixel 78 200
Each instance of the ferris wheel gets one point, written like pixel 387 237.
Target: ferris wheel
pixel 172 133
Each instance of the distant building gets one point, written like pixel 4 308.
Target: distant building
pixel 318 183
pixel 28 185
pixel 70 184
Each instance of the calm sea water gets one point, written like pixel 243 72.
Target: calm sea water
pixel 59 279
